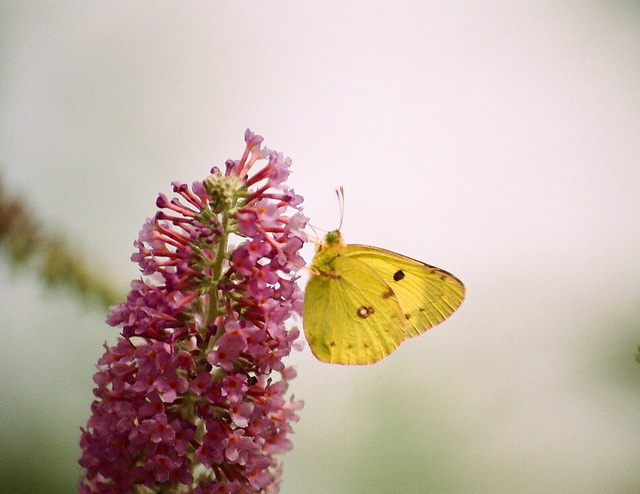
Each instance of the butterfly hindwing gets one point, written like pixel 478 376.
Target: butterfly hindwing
pixel 427 295
pixel 350 314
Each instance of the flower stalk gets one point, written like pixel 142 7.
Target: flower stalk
pixel 27 243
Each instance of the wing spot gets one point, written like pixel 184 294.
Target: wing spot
pixel 388 293
pixel 443 274
pixel 398 275
pixel 332 343
pixel 364 312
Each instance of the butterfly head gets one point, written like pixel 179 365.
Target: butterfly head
pixel 326 253
pixel 333 238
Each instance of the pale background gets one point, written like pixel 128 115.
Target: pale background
pixel 497 140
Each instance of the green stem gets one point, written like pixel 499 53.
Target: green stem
pixel 213 311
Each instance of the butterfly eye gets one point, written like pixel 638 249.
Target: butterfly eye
pixel 398 275
pixel 364 312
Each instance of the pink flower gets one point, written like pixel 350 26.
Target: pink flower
pixel 189 395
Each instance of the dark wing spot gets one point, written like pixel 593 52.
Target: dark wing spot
pixel 407 316
pixel 388 293
pixel 398 275
pixel 333 343
pixel 365 346
pixel 364 312
pixel 443 274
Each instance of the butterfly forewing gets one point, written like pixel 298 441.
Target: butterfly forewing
pixel 427 295
pixel 350 316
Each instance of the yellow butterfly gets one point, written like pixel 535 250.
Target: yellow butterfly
pixel 362 302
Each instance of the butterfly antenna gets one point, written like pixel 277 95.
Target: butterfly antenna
pixel 340 194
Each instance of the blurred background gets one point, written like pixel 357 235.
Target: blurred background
pixel 499 141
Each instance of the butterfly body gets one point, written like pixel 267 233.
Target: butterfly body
pixel 362 302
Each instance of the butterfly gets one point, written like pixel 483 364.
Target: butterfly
pixel 361 302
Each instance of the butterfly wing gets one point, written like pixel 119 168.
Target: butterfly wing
pixel 427 295
pixel 350 314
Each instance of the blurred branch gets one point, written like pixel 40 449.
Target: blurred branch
pixel 27 244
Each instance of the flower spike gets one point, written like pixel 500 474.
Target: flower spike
pixel 188 400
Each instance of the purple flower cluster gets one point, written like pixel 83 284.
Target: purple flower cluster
pixel 186 400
